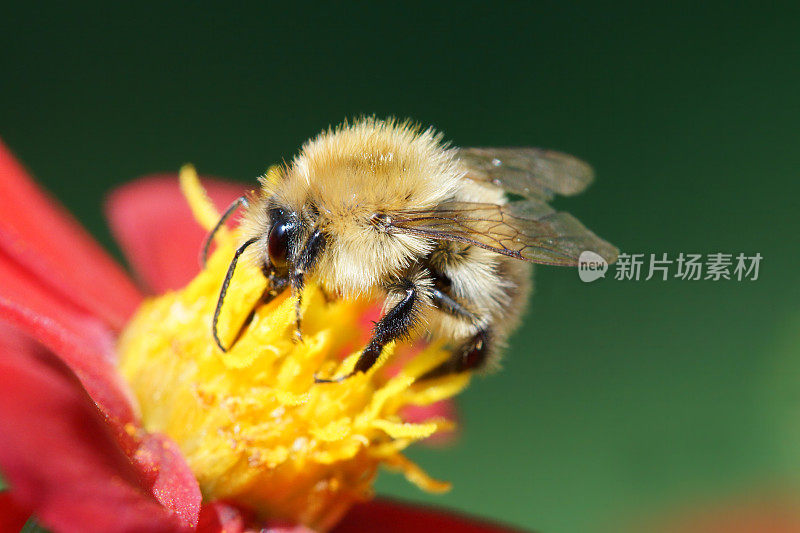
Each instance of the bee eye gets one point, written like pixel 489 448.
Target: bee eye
pixel 278 243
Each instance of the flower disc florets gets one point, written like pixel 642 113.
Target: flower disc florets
pixel 254 427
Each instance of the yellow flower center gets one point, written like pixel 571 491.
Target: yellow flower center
pixel 253 426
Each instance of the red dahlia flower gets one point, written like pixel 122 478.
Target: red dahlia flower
pixel 118 414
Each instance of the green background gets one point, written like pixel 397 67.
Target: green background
pixel 618 399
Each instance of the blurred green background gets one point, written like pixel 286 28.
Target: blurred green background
pixel 618 399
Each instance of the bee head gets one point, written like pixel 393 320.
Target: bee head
pixel 294 244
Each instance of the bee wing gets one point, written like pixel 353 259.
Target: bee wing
pixel 529 230
pixel 529 172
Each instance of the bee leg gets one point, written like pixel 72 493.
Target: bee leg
pixel 328 297
pixel 395 324
pixel 246 323
pixel 446 303
pixel 275 285
pixel 273 289
pixel 469 356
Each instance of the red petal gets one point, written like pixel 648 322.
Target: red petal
pixel 38 234
pixel 156 230
pixel 277 527
pixel 12 515
pixel 57 454
pixel 395 517
pixel 168 477
pixel 221 517
pixel 86 346
pixel 80 340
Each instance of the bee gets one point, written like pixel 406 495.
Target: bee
pixel 446 236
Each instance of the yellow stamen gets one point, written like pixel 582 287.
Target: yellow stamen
pixel 252 424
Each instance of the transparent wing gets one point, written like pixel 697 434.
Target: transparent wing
pixel 529 172
pixel 529 230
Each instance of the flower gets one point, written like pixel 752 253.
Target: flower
pixel 113 423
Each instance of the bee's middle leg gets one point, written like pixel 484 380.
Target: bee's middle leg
pixel 473 353
pixel 395 324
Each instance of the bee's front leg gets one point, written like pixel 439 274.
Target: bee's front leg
pixel 412 292
pixel 275 285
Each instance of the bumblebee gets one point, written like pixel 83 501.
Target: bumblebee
pixel 446 236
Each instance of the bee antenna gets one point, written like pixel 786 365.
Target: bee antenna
pixel 224 290
pixel 242 200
